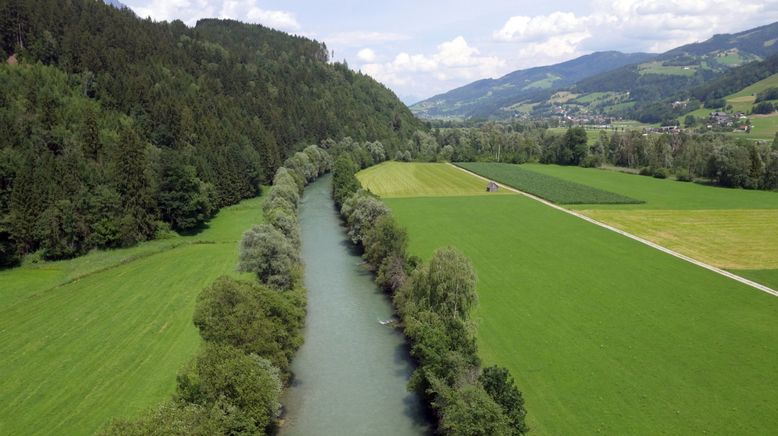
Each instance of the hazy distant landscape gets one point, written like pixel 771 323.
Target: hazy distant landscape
pixel 253 217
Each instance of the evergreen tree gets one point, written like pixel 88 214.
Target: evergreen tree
pixel 133 184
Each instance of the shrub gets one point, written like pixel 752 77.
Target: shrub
pixel 176 418
pixel 252 318
pixel 286 223
pixel 248 385
pixel 499 384
pixel 266 252
pixel 362 210
pixel 660 173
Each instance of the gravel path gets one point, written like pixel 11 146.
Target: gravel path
pixel 725 273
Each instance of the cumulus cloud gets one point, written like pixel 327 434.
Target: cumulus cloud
pixel 454 60
pixel 366 55
pixel 359 38
pixel 646 25
pixel 189 11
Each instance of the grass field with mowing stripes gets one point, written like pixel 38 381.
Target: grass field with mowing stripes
pixel 551 188
pixel 104 335
pixel 606 335
pixel 726 238
pixel 399 179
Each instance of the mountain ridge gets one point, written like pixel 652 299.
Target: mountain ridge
pixel 632 87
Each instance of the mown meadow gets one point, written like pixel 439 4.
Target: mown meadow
pixel 604 334
pixel 735 229
pixel 419 180
pixel 104 335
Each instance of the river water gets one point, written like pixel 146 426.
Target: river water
pixel 352 371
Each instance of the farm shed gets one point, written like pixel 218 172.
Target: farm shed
pixel 492 187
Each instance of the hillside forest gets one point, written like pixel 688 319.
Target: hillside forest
pixel 115 130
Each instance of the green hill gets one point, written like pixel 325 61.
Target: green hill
pixel 496 97
pixel 110 123
pixel 638 86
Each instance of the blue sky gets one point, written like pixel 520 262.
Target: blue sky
pixel 421 48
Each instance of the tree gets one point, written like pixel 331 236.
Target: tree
pixel 62 231
pixel 763 108
pixel 344 180
pixel 385 239
pixel 470 411
pixel 286 223
pixel 133 183
pixel 362 211
pixel 266 252
pixel 451 283
pixel 690 121
pixel 499 384
pixel 179 418
pixel 184 200
pixel 252 318
pixel 226 375
pixel 574 146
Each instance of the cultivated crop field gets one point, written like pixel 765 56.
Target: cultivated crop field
pixel 397 179
pixel 658 193
pixel 729 228
pixel 104 335
pixel 604 334
pixel 544 186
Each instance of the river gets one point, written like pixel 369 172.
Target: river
pixel 352 371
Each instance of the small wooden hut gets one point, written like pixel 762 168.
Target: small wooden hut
pixel 492 187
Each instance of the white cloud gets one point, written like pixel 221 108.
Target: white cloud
pixel 646 25
pixel 359 38
pixel 454 60
pixel 366 55
pixel 189 11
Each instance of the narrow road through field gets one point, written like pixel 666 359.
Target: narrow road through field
pixel 725 273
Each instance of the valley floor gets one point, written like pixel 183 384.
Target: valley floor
pixel 604 334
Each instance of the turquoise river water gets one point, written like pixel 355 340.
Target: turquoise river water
pixel 352 371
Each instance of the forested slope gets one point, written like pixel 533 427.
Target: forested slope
pixel 110 123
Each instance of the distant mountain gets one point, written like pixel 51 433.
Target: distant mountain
pixel 488 96
pixel 116 4
pixel 673 74
pixel 634 86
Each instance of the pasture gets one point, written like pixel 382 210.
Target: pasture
pixel 604 334
pixel 544 186
pixel 104 335
pixel 398 179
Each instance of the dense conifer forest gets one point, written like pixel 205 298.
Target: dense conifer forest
pixel 114 129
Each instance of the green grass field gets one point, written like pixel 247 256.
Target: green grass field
pixel 659 193
pixel 658 68
pixel 400 179
pixel 548 187
pixel 606 335
pixel 104 335
pixel 592 135
pixel 726 238
pixel 728 228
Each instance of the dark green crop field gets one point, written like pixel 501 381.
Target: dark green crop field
pixel 544 186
